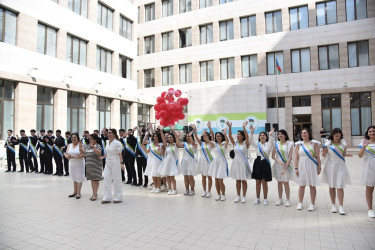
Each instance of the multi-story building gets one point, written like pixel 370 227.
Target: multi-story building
pixel 86 64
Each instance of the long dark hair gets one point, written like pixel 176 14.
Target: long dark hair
pixel 366 134
pixel 308 131
pixel 114 131
pixel 174 137
pixel 76 134
pixel 158 135
pixel 243 134
pixel 283 131
pixel 264 134
pixel 208 134
pixel 335 131
pixel 222 136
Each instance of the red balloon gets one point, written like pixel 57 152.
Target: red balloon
pixel 157 107
pixel 163 106
pixel 178 93
pixel 163 94
pixel 157 116
pixel 170 89
pixel 179 108
pixel 160 100
pixel 171 108
pixel 163 114
pixel 179 100
pixel 184 101
pixel 162 122
pixel 181 116
pixel 170 98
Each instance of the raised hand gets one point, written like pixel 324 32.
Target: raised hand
pixel 252 129
pixel 193 126
pixel 225 131
pixel 245 124
pixel 178 133
pixel 229 124
pixel 209 124
pixel 272 130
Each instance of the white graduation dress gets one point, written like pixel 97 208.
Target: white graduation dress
pixel 278 168
pixel 154 160
pixel 204 160
pixel 368 167
pixel 189 162
pixel 170 165
pixel 219 166
pixel 240 168
pixel 307 169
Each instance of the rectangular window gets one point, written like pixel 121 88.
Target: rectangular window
pixel 271 62
pixel 78 6
pixel 205 3
pixel 8 26
pixel 331 111
pixel 273 22
pixel 185 6
pixel 227 68
pixel 185 73
pixel 143 114
pixel 6 107
pixel 126 28
pixel 125 67
pixel 356 9
pixel 249 65
pixel 125 115
pixel 46 40
pixel 326 13
pixel 167 75
pixel 300 60
pixel 105 16
pixel 271 102
pixel 328 57
pixel 207 71
pixel 225 1
pixel 185 37
pixel 167 40
pixel 299 18
pixel 248 26
pixel 167 8
pixel 226 30
pixel 301 101
pixel 76 50
pixel 149 44
pixel 149 12
pixel 360 112
pixel 44 108
pixel 149 78
pixel 103 112
pixel 76 121
pixel 358 54
pixel 103 60
pixel 206 33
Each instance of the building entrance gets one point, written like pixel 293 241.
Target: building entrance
pixel 300 122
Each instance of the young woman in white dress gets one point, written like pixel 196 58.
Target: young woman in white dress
pixel 262 165
pixel 188 162
pixel 204 160
pixel 282 169
pixel 367 152
pixel 240 169
pixel 335 172
pixel 170 166
pixel 155 152
pixel 218 168
pixel 307 166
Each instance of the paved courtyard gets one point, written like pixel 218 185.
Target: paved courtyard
pixel 37 214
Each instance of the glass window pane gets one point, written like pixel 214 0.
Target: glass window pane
pixel 350 10
pixel 354 115
pixel 277 21
pixel 253 26
pixel 363 57
pixel 361 9
pixel 223 31
pixel 39 110
pixel 8 89
pixel 41 38
pixel 74 120
pixel 51 42
pixel 10 27
pixel 203 71
pixel 280 59
pixel 253 65
pixel 231 68
pixel 333 56
pixel 82 120
pixel 303 17
pixel 224 69
pixel 269 23
pixel 77 6
pixel 245 66
pixel 110 19
pixel 320 14
pixel 293 15
pixel 244 27
pixel 84 8
pixel 326 117
pixel 230 30
pixel 352 54
pixel 109 62
pixel 295 61
pixel 331 12
pixel 1 24
pixel 305 60
pixel 48 117
pixel 323 60
pixel 69 48
pixel 365 118
pixel 82 53
pixel 336 118
pixel 270 64
pixel 210 33
pixel 75 50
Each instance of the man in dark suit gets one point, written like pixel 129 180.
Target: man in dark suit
pixel 11 152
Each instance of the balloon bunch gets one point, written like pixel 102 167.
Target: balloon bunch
pixel 168 109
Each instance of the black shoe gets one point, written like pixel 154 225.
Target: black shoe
pixel 32 170
pixel 128 182
pixel 7 171
pixel 13 170
pixel 72 195
pixel 145 185
pixel 55 174
pixel 60 175
pixel 37 172
pixel 139 184
pixel 67 174
pixel 21 171
pixel 134 184
pixel 78 197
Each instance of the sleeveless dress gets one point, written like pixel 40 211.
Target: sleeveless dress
pixel 76 165
pixel 153 162
pixel 306 167
pixel 203 162
pixel 93 163
pixel 219 166
pixel 188 163
pixel 240 170
pixel 262 167
pixel 368 167
pixel 170 165
pixel 335 172
pixel 277 168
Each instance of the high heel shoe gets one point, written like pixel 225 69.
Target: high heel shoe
pixel 72 195
pixel 78 197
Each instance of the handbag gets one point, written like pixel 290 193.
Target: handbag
pixel 231 153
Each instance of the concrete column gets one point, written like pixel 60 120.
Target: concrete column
pixel 158 43
pixel 261 23
pixel 316 115
pixel 370 10
pixel 341 11
pixel 176 74
pixel 92 8
pixel 216 32
pixel 195 71
pixel 133 115
pixel 289 116
pixel 216 69
pixel 141 42
pixel 60 112
pixel 91 118
pixel 115 113
pixel 285 19
pixel 158 10
pixel 373 107
pixel 115 63
pixel 27 32
pixel 215 2
pixel 372 51
pixel 64 3
pixel 287 62
pixel 91 55
pixel 158 77
pixel 237 67
pixel 116 22
pixel 25 99
pixel 345 117
pixel 343 51
pixel 61 44
pixel 312 14
pixel 152 115
pixel 141 79
pixel 176 9
pixel 236 28
pixel 262 64
pixel 314 59
pixel 195 35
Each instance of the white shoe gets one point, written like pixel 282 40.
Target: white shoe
pixel 299 206
pixel 223 198
pixel 238 198
pixel 218 197
pixel 265 202
pixel 287 203
pixel 174 192
pixel 208 195
pixel 186 192
pixel 153 190
pixel 311 208
pixel 169 191
pixel 279 202
pixel 204 194
pixel 151 186
pixel 371 213
pixel 191 192
pixel 163 188
pixel 256 201
pixel 334 208
pixel 157 191
pixel 243 199
pixel 341 210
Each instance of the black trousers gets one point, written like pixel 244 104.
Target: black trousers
pixel 141 167
pixel 41 160
pixel 103 163
pixel 23 161
pixel 122 171
pixel 66 166
pixel 48 162
pixel 11 159
pixel 59 163
pixel 130 169
pixel 33 162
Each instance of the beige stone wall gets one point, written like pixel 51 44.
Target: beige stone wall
pixel 61 44
pixel 314 58
pixel 261 20
pixel 343 54
pixel 158 77
pixel 372 51
pixel 289 116
pixel 115 114
pixel 133 115
pixel 91 55
pixel 115 63
pixel 345 117
pixel 373 106
pixel 25 98
pixel 27 27
pixel 316 115
pixel 341 14
pixel 91 118
pixel 60 113
pixel 285 19
pixel 92 7
pixel 370 8
pixel 312 14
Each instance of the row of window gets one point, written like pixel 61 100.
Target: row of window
pixel 360 110
pixel 328 58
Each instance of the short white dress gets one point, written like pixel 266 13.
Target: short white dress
pixel 368 167
pixel 335 172
pixel 219 165
pixel 170 165
pixel 240 168
pixel 277 168
pixel 76 165
pixel 154 160
pixel 307 169
pixel 204 158
pixel 189 160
